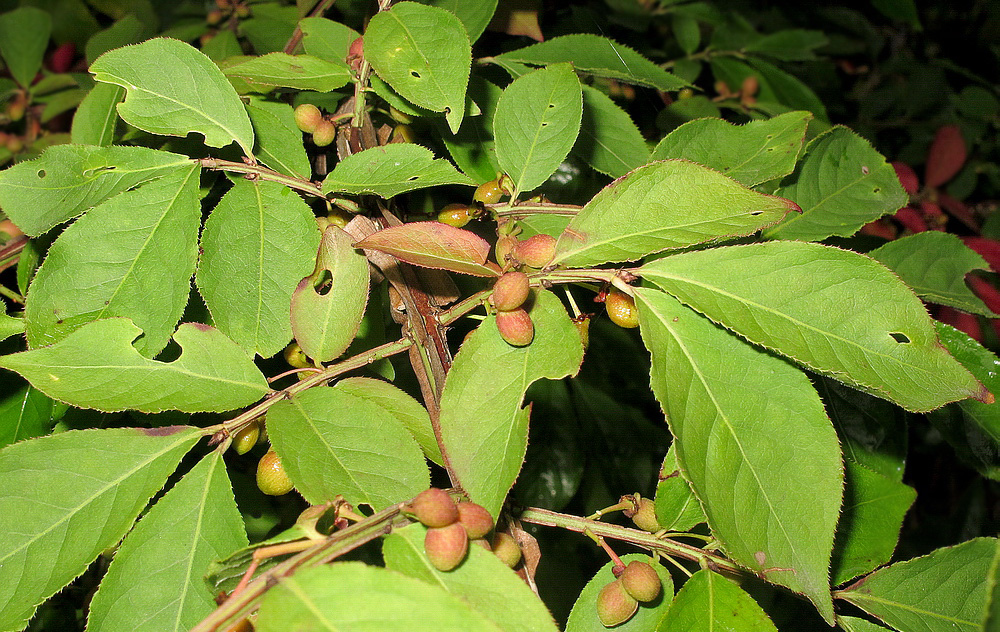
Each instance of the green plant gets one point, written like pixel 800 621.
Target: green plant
pixel 695 178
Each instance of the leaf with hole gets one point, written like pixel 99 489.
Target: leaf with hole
pixel 327 306
pixel 57 520
pixel 661 206
pixel 536 123
pixel 434 245
pixel 172 89
pixel 424 53
pixel 782 295
pixel 391 170
pixel 754 441
pixel 97 367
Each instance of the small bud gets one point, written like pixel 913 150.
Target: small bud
pixel 446 546
pixel 434 508
pixel 506 549
pixel 640 580
pixel 645 516
pixel 510 291
pixel 476 520
pixel 614 605
pixel 516 327
pixel 536 251
pixel 505 248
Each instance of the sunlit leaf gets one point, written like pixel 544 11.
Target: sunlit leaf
pixel 281 70
pixel 434 245
pixel 709 601
pixel 391 170
pixel 279 140
pixel 96 117
pixel 609 141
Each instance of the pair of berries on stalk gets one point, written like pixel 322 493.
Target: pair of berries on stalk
pixel 619 600
pixel 310 120
pixel 451 526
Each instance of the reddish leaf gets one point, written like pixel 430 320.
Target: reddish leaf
pixel 961 321
pixel 434 245
pixel 517 17
pixel 880 228
pixel 959 210
pixel 61 59
pixel 988 248
pixel 933 215
pixel 907 177
pixel 945 157
pixel 911 219
pixel 986 291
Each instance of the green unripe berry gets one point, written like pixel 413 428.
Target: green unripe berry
pixel 307 117
pixel 536 251
pixel 640 580
pixel 271 476
pixel 246 438
pixel 614 605
pixel 476 520
pixel 510 291
pixel 295 357
pixel 488 192
pixel 403 134
pixel 621 309
pixel 515 327
pixel 446 546
pixel 434 508
pixel 456 215
pixel 505 248
pixel 506 549
pixel 324 133
pixel 645 516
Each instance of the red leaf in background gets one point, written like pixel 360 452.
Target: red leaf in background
pixel 880 228
pixel 907 177
pixel 911 219
pixel 945 157
pixel 61 59
pixel 986 291
pixel 933 215
pixel 959 210
pixel 960 320
pixel 987 248
pixel 518 17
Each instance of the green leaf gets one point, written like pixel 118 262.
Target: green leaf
pixel 789 44
pixel 196 522
pixel 709 601
pixel 434 245
pixel 777 90
pixel 482 581
pixel 991 622
pixel 942 591
pixel 972 428
pixel 661 206
pixel 332 442
pixel 10 326
pixel 424 53
pixel 327 306
pixel 779 295
pixel 327 39
pixel 131 256
pixel 874 507
pixel 599 56
pixel 96 117
pixel 475 16
pixel 472 147
pixel 536 123
pixel 391 170
pixel 58 519
pixel 856 624
pixel 279 141
pixel 687 32
pixel 281 70
pixel 841 183
pixel 97 367
pixel 24 36
pixel 24 414
pixel 353 596
pixel 583 617
pixel 483 427
pixel 400 405
pixel 128 30
pixel 934 264
pixel 172 89
pixel 753 440
pixel 750 154
pixel 609 141
pixel 258 243
pixel 70 179
pixel 677 508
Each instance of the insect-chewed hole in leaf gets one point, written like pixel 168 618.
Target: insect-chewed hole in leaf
pixel 41 173
pixel 412 178
pixel 901 338
pixel 755 213
pixel 415 74
pixel 876 189
pixel 545 123
pixel 323 283
pixel 552 105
